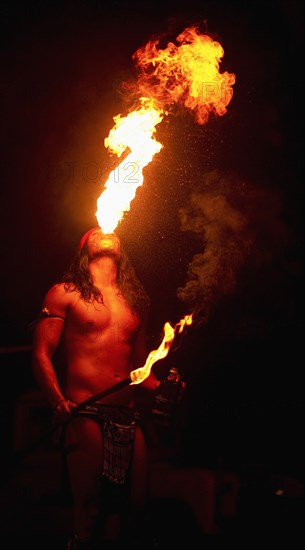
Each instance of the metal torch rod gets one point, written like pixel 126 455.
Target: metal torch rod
pixel 100 395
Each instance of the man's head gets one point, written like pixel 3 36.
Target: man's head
pixel 100 244
pixel 96 244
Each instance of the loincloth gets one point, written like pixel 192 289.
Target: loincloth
pixel 118 424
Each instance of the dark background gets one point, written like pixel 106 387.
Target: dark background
pixel 62 68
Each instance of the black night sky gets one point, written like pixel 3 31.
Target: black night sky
pixel 225 199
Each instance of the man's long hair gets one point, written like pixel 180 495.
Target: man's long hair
pixel 78 278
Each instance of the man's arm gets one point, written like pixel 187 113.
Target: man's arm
pixel 46 338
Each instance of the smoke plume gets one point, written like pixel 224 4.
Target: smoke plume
pixel 242 237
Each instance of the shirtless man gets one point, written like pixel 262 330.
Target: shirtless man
pixel 98 314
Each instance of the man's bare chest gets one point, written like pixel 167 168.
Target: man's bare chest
pixel 114 313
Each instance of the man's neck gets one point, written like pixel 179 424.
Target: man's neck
pixel 104 272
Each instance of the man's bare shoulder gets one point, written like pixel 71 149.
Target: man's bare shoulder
pixel 59 291
pixel 57 299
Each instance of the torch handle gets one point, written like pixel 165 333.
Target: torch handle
pixel 116 387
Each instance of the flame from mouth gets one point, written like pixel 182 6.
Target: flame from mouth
pixel 186 74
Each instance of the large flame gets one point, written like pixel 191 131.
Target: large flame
pixel 137 376
pixel 187 74
pixel 136 132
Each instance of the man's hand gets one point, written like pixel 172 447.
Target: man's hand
pixel 63 409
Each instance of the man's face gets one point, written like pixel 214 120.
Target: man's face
pixel 100 244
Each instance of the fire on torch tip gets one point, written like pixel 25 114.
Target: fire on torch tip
pixel 136 376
